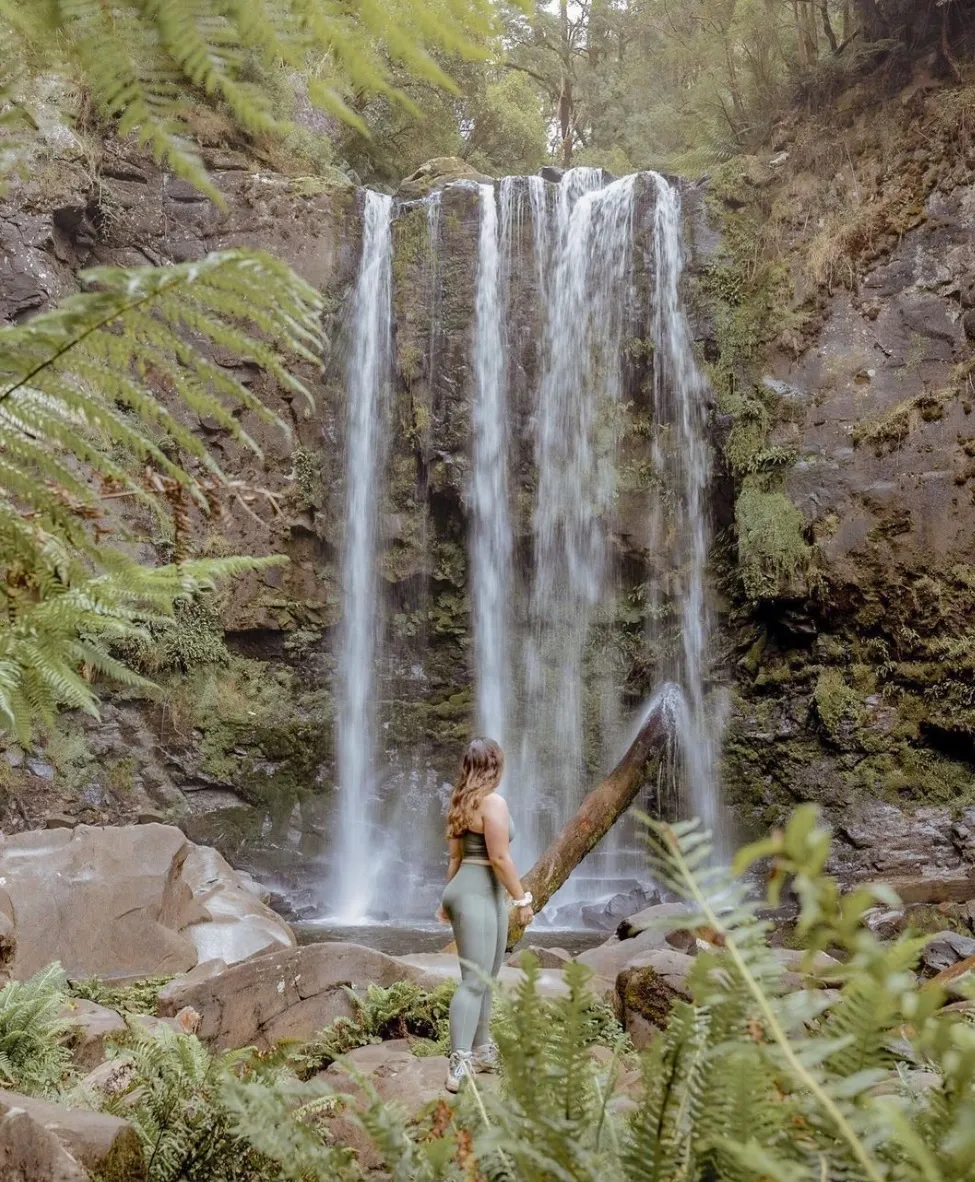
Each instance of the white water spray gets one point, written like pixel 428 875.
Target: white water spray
pixel 679 397
pixel 491 551
pixel 367 382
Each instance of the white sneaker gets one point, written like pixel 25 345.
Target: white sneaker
pixel 486 1057
pixel 459 1066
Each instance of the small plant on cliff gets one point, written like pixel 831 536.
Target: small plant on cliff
pixel 774 558
pixel 835 702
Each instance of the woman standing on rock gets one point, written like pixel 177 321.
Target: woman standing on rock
pixel 479 833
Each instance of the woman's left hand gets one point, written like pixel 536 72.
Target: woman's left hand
pixel 525 916
pixel 442 916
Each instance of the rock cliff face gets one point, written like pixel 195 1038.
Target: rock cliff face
pixel 843 412
pixel 853 426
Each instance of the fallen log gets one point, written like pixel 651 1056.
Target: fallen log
pixel 604 805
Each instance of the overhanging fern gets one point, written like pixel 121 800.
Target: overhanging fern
pixel 141 58
pixel 83 431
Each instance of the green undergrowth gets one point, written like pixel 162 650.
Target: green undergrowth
pixel 404 1010
pixel 749 1078
pixel 887 432
pixel 136 997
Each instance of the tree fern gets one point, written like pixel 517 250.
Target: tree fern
pixel 141 58
pixel 81 431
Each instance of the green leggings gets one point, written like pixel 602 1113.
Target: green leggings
pixel 474 901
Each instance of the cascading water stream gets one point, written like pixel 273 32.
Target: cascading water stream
pixel 679 400
pixel 583 259
pixel 491 557
pixel 367 384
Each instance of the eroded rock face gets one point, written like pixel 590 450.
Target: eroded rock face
pixel 854 692
pixel 137 900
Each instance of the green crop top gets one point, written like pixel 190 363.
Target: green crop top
pixel 473 845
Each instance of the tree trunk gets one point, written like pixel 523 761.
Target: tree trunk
pixel 602 807
pixel 828 26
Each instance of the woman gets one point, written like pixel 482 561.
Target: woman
pixel 479 832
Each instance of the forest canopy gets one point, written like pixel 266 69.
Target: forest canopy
pixel 633 84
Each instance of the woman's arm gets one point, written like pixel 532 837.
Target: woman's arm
pixel 495 816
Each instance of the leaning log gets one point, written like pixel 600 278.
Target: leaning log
pixel 604 805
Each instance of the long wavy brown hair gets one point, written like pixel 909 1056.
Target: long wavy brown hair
pixel 480 774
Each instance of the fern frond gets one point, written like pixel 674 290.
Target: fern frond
pixel 142 59
pixel 80 426
pixel 33 1055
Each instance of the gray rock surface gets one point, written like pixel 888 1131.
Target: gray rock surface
pixel 946 949
pixel 102 1144
pixel 284 995
pixel 647 988
pixel 135 900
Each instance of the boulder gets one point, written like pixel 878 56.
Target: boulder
pixel 609 914
pixel 946 949
pixel 105 1145
pixel 283 995
pixel 90 1026
pixel 398 1076
pixel 823 969
pixel 443 170
pixel 649 919
pixel 29 1153
pixel 885 922
pixel 648 987
pixel 132 900
pixel 438 967
pixel 546 958
pixel 610 958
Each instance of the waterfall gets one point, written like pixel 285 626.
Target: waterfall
pixel 491 557
pixel 567 277
pixel 583 259
pixel 679 401
pixel 367 386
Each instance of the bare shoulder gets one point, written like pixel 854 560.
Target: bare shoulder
pixel 494 808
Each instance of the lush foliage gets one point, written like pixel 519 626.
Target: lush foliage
pixel 401 1011
pixel 142 62
pixel 138 997
pixel 84 431
pixel 753 1078
pixel 32 1055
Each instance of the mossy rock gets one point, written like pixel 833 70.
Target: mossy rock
pixel 443 170
pixel 649 986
